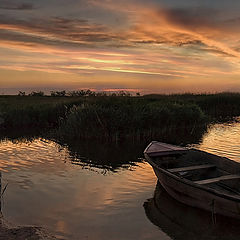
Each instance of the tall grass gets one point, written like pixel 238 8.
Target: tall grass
pixel 115 119
pixel 218 106
pixel 33 112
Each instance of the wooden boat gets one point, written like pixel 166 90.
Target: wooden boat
pixel 197 178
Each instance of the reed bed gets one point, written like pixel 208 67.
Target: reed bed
pixel 33 112
pixel 217 106
pixel 117 117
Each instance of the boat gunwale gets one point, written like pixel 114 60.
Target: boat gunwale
pixel 170 152
pixel 189 182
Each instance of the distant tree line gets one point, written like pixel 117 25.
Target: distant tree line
pixel 79 93
pixel 38 94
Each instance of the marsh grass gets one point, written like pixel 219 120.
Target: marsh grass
pixel 117 117
pixel 220 106
pixel 33 112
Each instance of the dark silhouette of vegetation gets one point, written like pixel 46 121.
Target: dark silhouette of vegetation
pixel 22 94
pixel 81 93
pixel 37 94
pixel 33 111
pixel 115 116
pixel 89 93
pixel 219 106
pixel 58 93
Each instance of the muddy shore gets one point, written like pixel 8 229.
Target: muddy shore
pixel 9 232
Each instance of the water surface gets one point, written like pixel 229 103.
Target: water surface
pixel 222 139
pixel 90 190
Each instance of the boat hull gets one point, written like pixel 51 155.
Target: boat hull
pixel 182 222
pixel 197 197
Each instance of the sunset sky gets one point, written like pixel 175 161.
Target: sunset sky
pixel 160 46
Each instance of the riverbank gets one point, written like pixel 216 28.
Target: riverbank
pixel 8 232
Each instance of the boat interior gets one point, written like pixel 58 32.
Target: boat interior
pixel 205 169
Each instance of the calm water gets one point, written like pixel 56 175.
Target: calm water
pixel 92 191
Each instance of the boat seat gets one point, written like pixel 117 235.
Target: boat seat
pixel 217 179
pixel 191 168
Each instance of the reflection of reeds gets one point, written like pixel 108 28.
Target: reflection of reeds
pixel 104 157
pixel 2 191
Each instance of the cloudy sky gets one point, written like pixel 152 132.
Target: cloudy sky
pixel 160 46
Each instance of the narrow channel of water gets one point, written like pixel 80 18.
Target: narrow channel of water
pixel 86 191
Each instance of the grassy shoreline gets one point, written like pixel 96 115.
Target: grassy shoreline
pixel 117 117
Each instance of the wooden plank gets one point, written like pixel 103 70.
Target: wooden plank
pixel 191 168
pixel 217 179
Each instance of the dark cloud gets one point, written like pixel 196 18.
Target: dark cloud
pixel 10 5
pixel 190 42
pixel 175 42
pixel 31 41
pixel 56 30
pixel 192 18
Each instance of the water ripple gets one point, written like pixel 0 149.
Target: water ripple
pixel 39 152
pixel 74 200
pixel 223 140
